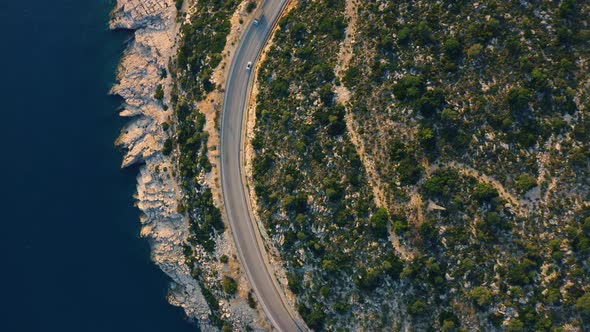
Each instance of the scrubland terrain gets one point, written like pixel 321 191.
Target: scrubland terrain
pixel 424 165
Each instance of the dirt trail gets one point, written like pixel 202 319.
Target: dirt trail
pixel 469 171
pixel 343 96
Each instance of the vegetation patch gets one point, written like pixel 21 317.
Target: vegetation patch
pixel 474 116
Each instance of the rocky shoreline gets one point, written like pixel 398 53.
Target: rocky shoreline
pixel 143 70
pixel 139 74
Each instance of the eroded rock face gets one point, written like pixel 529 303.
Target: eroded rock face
pixel 141 14
pixel 140 72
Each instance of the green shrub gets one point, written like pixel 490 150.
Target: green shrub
pixel 583 304
pixel 333 26
pixel 400 225
pixel 519 98
pixel 168 146
pixel 379 222
pixel 441 183
pixel 251 301
pixel 453 48
pixel 481 296
pixel 474 50
pixel 424 32
pixel 159 94
pixel 484 192
pixel 179 4
pixel 431 101
pixel 313 317
pixel 368 279
pixel 250 6
pixel 229 285
pixel 410 171
pixel 515 325
pixel 409 87
pixel 525 182
pixel 294 281
pixel 392 265
pixel 404 35
pixel 417 308
pixel 521 273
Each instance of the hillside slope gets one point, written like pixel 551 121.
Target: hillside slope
pixel 425 164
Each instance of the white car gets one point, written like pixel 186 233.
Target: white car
pixel 249 65
pixel 257 18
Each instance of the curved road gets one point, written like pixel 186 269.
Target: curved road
pixel 248 241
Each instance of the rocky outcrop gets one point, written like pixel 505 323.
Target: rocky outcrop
pixel 141 70
pixel 143 14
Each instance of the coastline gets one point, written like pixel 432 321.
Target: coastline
pixel 141 71
pixel 139 74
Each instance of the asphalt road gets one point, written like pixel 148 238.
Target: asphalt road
pixel 248 242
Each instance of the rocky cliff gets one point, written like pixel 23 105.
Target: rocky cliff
pixel 141 70
pixel 145 85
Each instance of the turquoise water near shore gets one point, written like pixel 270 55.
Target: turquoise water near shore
pixel 72 258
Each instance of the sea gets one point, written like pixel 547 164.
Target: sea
pixel 71 258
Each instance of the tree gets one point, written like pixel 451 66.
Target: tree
pixel 539 80
pixel 553 295
pixel 298 31
pixel 448 321
pixel 297 203
pixel 329 265
pixel 493 219
pixel 337 124
pixel 314 317
pixel 333 26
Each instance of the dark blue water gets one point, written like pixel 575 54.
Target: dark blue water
pixel 71 256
